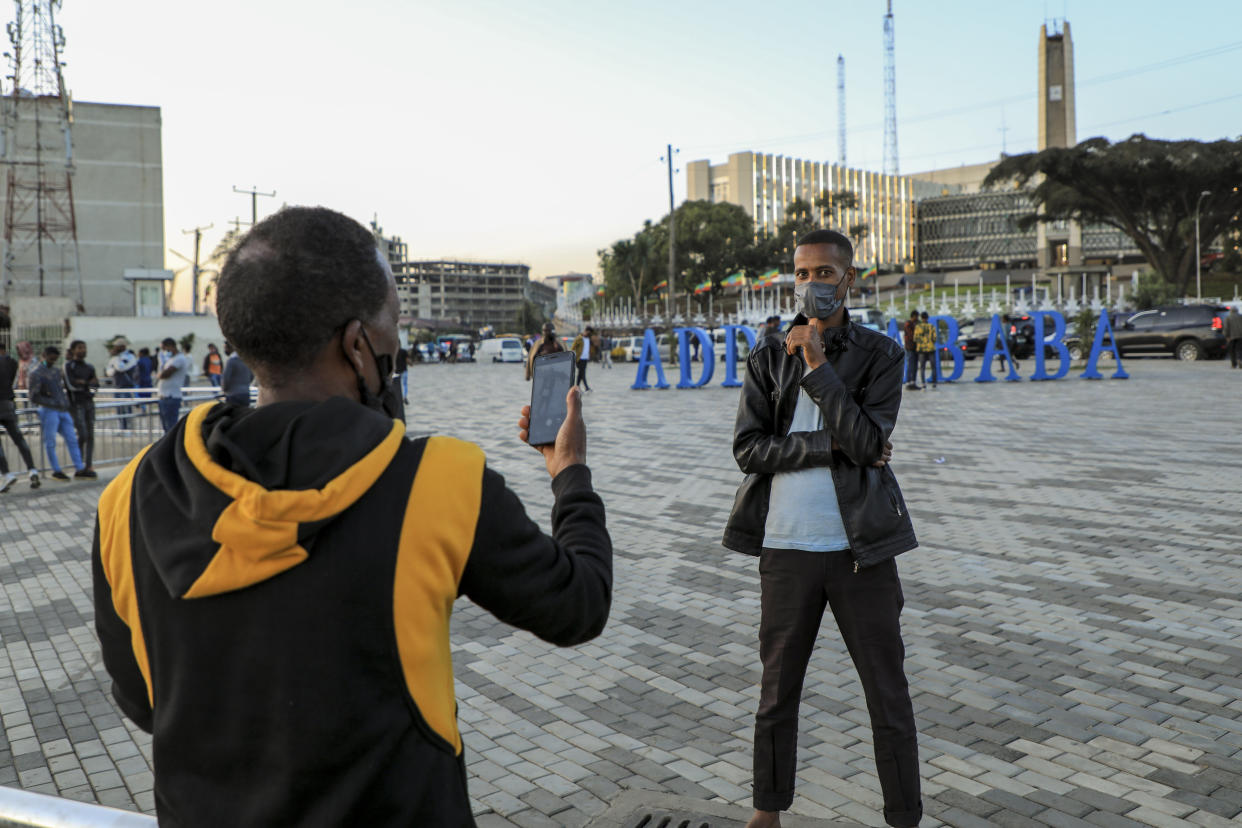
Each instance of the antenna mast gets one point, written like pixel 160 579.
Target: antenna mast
pixel 841 109
pixel 890 96
pixel 40 226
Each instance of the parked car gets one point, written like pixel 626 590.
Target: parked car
pixel 500 349
pixel 621 348
pixel 1188 332
pixel 719 344
pixel 464 352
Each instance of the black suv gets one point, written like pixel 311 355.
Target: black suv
pixel 1189 332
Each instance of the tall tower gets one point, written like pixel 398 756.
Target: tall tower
pixel 1056 246
pixel 841 110
pixel 40 226
pixel 890 95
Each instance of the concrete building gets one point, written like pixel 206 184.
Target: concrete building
pixel 543 295
pixel 472 294
pixel 763 185
pixel 118 189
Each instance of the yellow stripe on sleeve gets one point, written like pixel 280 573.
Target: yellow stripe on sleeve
pixel 116 557
pixel 436 537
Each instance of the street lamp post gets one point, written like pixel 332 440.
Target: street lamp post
pixel 1198 255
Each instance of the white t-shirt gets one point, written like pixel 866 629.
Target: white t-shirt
pixel 586 348
pixel 803 512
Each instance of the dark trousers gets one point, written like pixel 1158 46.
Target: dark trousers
pixel 582 366
pixel 84 425
pixel 912 361
pixel 795 587
pixel 925 363
pixel 15 434
pixel 1235 352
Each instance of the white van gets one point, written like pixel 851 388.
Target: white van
pixel 500 349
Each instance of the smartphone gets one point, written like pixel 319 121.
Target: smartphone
pixel 551 378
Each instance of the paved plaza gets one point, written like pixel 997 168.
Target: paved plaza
pixel 1073 616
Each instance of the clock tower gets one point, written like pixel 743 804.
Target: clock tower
pixel 1059 245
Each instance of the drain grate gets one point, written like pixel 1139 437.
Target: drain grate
pixel 663 819
pixel 635 808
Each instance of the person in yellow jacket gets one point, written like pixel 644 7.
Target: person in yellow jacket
pixel 925 346
pixel 581 347
pixel 273 585
pixel 547 344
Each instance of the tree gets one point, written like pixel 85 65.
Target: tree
pixel 1147 189
pixel 632 267
pixel 712 241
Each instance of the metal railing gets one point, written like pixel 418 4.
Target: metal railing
pixel 26 808
pixel 126 420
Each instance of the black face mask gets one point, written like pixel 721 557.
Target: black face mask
pixel 387 400
pixel 817 300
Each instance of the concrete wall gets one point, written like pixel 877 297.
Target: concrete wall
pixel 118 189
pixel 143 331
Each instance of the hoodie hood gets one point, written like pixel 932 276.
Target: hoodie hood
pixel 249 488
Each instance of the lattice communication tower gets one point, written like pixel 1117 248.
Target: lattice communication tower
pixel 890 96
pixel 40 227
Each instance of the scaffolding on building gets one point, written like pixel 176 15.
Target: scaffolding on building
pixel 40 225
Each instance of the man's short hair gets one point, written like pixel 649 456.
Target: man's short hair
pixel 168 340
pixel 51 350
pixel 293 281
pixel 914 314
pixel 923 315
pixel 839 240
pixel 75 343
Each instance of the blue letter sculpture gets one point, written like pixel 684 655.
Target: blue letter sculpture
pixel 997 343
pixel 1103 327
pixel 1058 334
pixel 705 351
pixel 649 358
pixel 730 332
pixel 959 361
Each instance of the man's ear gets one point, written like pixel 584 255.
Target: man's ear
pixel 353 345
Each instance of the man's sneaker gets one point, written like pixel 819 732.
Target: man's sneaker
pixel 88 474
pixel 59 475
pixel 35 482
pixel 7 482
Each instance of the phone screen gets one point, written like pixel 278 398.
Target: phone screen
pixel 551 379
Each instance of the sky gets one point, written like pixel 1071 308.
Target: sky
pixel 532 130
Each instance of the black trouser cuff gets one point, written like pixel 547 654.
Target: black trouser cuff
pixel 904 819
pixel 773 800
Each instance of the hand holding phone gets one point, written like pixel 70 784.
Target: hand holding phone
pixel 552 423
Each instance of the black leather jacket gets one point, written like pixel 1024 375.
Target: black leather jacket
pixel 859 391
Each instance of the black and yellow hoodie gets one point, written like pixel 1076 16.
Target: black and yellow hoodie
pixel 273 590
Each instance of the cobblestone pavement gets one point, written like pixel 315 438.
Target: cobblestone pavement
pixel 1073 616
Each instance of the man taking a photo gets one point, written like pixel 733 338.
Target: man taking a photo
pixel 274 585
pixel 822 510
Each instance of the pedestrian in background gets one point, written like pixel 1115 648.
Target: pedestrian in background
pixel 8 419
pixel 1233 337
pixel 47 392
pixel 173 377
pixel 581 347
pixel 549 344
pixel 146 368
pixel 912 356
pixel 925 346
pixel 235 382
pixel 25 364
pixel 81 381
pixel 605 351
pixel 122 369
pixel 213 365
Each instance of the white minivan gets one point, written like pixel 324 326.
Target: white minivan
pixel 500 349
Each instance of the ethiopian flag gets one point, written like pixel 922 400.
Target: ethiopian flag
pixel 661 285
pixel 868 273
pixel 766 279
pixel 703 287
pixel 738 278
pixel 599 292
